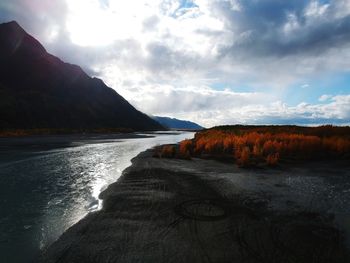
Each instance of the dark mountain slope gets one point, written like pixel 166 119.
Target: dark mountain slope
pixel 173 123
pixel 38 90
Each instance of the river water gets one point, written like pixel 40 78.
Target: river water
pixel 48 184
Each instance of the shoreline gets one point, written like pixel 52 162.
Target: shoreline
pixel 58 186
pixel 205 211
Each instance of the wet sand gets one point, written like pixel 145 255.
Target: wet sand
pixel 169 210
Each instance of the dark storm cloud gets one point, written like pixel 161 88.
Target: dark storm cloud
pixel 259 14
pixel 264 24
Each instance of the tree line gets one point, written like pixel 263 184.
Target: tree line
pixel 256 145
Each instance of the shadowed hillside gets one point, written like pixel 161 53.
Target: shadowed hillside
pixel 173 123
pixel 39 91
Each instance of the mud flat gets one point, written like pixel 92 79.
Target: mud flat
pixel 169 210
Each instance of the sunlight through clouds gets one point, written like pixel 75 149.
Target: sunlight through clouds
pixel 148 49
pixel 90 24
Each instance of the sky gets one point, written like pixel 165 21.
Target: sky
pixel 210 61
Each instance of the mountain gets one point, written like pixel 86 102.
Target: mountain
pixel 39 91
pixel 173 123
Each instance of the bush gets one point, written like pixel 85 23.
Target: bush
pixel 250 145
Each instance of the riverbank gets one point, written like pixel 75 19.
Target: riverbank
pixel 170 210
pixel 50 183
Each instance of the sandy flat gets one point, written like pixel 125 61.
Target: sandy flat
pixel 169 210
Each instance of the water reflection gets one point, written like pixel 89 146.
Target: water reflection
pixel 45 192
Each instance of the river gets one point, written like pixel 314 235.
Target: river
pixel 48 184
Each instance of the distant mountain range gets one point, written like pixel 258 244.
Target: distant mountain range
pixel 173 123
pixel 39 91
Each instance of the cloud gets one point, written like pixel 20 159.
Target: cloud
pixel 209 107
pixel 325 97
pixel 280 28
pixel 336 111
pixel 305 37
pixel 167 99
pixel 166 56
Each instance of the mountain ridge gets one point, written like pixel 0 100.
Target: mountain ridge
pixel 40 91
pixel 173 123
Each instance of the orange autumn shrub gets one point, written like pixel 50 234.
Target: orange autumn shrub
pixel 252 145
pixel 184 149
pixel 167 151
pixel 257 150
pixel 272 159
pixel 243 159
